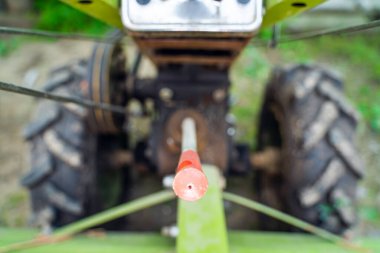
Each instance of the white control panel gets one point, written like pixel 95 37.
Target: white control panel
pixel 243 16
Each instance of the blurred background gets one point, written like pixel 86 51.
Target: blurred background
pixel 356 58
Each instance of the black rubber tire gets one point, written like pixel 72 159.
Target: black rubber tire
pixel 67 160
pixel 306 118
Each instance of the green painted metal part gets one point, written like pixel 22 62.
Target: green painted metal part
pixel 239 242
pixel 104 10
pixel 92 221
pixel 278 10
pixel 115 213
pixel 286 218
pixel 202 226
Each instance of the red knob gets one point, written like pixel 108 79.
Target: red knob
pixel 190 183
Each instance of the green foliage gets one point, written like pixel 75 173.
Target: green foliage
pixel 368 100
pixel 56 16
pixel 11 210
pixel 265 34
pixel 356 52
pixel 369 213
pixel 8 45
pixel 249 76
pixel 359 51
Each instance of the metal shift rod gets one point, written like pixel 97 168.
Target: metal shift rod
pixel 190 183
pixel 189 136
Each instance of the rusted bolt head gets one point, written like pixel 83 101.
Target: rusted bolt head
pixel 219 95
pixel 166 94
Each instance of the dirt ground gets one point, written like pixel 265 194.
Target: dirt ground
pixel 15 111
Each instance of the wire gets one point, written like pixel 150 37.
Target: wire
pixel 58 98
pixel 313 35
pixel 57 35
pixel 343 31
pixel 113 39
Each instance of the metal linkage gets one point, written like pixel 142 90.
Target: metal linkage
pixel 58 98
pixel 189 138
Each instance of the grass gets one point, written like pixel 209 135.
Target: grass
pixel 248 82
pixel 12 211
pixel 9 45
pixel 58 17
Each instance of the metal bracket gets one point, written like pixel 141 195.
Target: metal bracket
pixel 104 10
pixel 278 10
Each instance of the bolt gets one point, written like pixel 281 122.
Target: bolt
pixel 170 141
pixel 166 94
pixel 231 131
pixel 167 181
pixel 219 95
pixel 170 231
pixel 231 119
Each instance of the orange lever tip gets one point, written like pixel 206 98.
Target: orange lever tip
pixel 190 183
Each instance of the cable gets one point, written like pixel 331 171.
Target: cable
pixel 58 98
pixel 113 39
pixel 313 35
pixel 57 35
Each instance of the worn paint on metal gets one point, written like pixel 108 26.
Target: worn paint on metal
pixel 104 10
pixel 278 10
pixel 202 226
